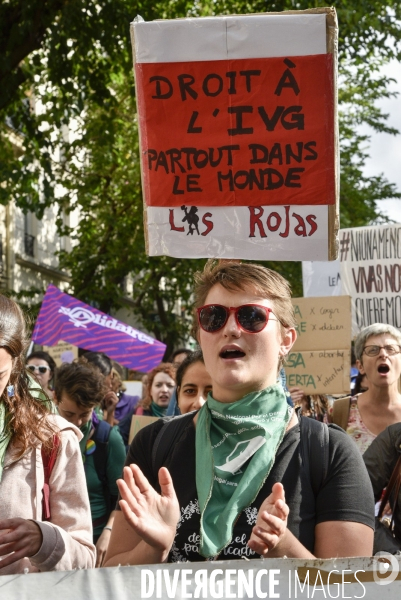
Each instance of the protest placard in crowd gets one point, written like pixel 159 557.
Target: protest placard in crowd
pixel 368 270
pixel 371 274
pixel 238 135
pixel 321 278
pixel 137 423
pixel 319 361
pixel 62 352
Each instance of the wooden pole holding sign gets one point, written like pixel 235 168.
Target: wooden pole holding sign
pixel 319 361
pixel 238 135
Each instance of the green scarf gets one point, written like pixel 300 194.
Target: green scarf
pixel 158 411
pixel 6 432
pixel 85 429
pixel 236 445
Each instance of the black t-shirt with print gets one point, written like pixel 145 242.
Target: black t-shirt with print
pixel 346 494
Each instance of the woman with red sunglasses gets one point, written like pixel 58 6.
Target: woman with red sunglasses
pixel 232 483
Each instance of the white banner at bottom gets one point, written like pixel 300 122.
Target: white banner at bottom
pixel 368 578
pixel 249 232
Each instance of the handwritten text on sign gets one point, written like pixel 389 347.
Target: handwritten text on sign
pixel 319 362
pixel 319 371
pixel 323 322
pixel 238 132
pixel 371 274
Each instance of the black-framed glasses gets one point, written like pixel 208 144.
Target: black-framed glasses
pixel 375 350
pixel 42 369
pixel 252 318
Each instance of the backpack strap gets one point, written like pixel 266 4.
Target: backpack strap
pixel 101 439
pixel 341 408
pixel 314 448
pixel 49 457
pixel 168 435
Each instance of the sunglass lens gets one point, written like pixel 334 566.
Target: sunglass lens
pixel 212 318
pixel 252 318
pixel 42 370
pixel 31 368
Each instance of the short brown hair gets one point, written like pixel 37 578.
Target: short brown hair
pixel 167 368
pixel 82 382
pixel 234 276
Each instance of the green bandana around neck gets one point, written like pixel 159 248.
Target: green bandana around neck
pixel 158 411
pixel 236 445
pixel 85 429
pixel 6 432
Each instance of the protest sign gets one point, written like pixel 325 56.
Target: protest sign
pixel 319 372
pixel 63 317
pixel 238 135
pixel 319 361
pixel 371 274
pixel 137 423
pixel 62 352
pixel 321 278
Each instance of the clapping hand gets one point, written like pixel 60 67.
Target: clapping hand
pixel 153 516
pixel 271 522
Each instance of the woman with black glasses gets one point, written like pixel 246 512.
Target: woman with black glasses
pixel 42 367
pixel 232 482
pixel 378 354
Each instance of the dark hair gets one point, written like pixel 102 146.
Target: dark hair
pixel 81 381
pixel 42 355
pixel 101 361
pixel 162 368
pixel 26 414
pixel 192 358
pixel 179 351
pixel 358 384
pixel 315 404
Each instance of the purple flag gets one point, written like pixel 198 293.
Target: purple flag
pixel 63 317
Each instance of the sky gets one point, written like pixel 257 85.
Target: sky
pixel 385 149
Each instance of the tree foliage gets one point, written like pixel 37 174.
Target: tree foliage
pixel 80 149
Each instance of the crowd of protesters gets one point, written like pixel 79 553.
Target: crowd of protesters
pixel 221 471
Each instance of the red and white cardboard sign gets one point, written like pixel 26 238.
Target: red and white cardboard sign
pixel 237 131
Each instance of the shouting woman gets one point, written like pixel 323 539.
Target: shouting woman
pixel 233 483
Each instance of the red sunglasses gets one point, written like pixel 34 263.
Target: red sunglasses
pixel 252 318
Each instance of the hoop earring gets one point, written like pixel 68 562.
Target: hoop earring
pixel 10 391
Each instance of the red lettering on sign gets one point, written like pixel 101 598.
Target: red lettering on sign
pixel 246 132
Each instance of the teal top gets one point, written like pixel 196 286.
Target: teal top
pixel 115 463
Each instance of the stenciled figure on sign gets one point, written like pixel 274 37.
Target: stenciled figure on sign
pixel 192 218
